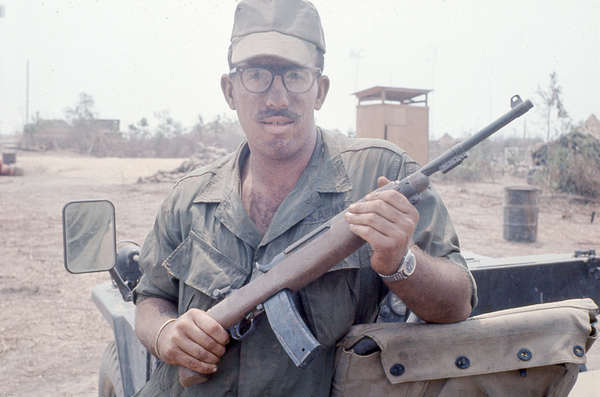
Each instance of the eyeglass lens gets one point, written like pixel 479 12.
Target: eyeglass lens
pixel 258 80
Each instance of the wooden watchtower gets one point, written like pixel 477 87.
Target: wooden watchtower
pixel 399 115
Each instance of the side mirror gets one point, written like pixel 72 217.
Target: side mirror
pixel 89 236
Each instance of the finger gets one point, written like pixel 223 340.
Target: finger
pixel 199 352
pixel 371 225
pixel 201 336
pixel 186 344
pixel 373 236
pixel 382 216
pixel 382 181
pixel 176 348
pixel 393 198
pixel 384 235
pixel 376 223
pixel 200 344
pixel 384 227
pixel 199 362
pixel 197 365
pixel 210 326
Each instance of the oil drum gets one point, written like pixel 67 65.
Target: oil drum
pixel 520 205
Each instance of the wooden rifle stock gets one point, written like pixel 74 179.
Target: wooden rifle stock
pixel 304 262
pixel 313 255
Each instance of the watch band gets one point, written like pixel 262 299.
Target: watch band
pixel 407 267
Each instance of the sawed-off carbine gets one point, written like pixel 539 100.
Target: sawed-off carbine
pixel 313 255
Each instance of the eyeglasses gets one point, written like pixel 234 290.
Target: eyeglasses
pixel 297 80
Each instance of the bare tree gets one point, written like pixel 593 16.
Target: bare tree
pixel 167 126
pixel 553 113
pixel 81 119
pixel 83 109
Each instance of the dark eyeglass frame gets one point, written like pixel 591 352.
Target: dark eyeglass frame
pixel 315 73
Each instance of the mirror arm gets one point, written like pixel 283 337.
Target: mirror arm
pixel 124 289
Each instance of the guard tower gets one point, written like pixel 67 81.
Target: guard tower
pixel 399 115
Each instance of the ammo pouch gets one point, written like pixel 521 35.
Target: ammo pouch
pixel 527 351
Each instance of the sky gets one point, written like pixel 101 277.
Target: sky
pixel 137 58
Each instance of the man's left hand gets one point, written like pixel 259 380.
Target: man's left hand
pixel 387 221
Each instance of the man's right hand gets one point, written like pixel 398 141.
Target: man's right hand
pixel 195 340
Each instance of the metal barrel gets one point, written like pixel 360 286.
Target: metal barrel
pixel 9 158
pixel 520 205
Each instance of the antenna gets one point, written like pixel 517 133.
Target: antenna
pixel 27 97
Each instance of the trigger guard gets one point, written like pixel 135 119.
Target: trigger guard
pixel 239 331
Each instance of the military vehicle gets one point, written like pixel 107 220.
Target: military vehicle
pixel 90 246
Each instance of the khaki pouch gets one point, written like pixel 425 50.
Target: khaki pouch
pixel 527 351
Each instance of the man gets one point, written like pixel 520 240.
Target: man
pixel 288 178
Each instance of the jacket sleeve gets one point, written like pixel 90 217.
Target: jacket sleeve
pixel 435 233
pixel 160 243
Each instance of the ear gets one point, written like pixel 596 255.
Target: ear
pixel 323 89
pixel 227 88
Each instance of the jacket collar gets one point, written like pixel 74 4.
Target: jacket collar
pixel 325 173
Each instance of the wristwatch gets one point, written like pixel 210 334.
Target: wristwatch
pixel 407 267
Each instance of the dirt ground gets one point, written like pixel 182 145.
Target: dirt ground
pixel 51 335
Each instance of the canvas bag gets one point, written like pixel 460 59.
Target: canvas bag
pixel 527 351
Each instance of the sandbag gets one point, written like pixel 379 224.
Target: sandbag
pixel 527 351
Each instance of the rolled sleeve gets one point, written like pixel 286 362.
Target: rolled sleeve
pixel 435 234
pixel 156 281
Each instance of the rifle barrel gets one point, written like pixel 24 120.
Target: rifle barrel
pixel 461 148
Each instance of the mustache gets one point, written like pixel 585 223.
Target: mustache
pixel 285 112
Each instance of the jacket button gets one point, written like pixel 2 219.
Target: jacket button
pixel 397 369
pixel 524 355
pixel 578 350
pixel 462 362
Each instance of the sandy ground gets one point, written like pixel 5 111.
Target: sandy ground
pixel 51 335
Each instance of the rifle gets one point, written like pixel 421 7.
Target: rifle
pixel 313 255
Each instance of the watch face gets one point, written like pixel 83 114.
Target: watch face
pixel 410 263
pixel 406 269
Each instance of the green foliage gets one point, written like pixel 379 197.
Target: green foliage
pixel 166 137
pixel 482 163
pixel 571 164
pixel 170 139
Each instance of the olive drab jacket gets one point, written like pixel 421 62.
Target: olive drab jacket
pixel 203 240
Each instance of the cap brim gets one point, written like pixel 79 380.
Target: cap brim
pixel 273 44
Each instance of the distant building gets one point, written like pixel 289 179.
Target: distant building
pixel 438 147
pixel 592 127
pixel 46 134
pixel 106 126
pixel 446 141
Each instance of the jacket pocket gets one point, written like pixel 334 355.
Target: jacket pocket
pixel 201 270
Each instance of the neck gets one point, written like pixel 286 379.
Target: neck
pixel 278 174
pixel 273 176
pixel 267 182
